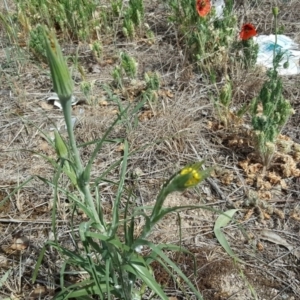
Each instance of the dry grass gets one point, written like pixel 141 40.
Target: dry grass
pixel 172 132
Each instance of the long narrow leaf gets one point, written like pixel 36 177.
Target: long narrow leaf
pixel 115 217
pixel 38 263
pixel 173 265
pixel 55 198
pixel 222 221
pixel 88 167
pixel 143 273
pixel 82 231
pixel 4 277
pixel 62 274
pixel 107 271
pixel 81 289
pixel 72 196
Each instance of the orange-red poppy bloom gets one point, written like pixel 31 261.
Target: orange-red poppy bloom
pixel 203 7
pixel 248 31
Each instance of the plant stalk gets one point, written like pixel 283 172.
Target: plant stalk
pixel 83 186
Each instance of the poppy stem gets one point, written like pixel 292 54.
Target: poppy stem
pixel 275 42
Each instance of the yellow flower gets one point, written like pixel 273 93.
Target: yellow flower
pixel 194 178
pixel 189 176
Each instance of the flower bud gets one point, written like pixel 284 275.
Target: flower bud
pixel 189 176
pixel 62 81
pixel 60 146
pixel 275 11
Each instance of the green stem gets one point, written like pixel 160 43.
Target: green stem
pixel 154 217
pixel 83 186
pixel 275 44
pixel 66 106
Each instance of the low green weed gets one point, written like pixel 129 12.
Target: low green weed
pixel 36 43
pixel 152 80
pixel 270 110
pixel 127 67
pixel 133 18
pixel 86 88
pixel 249 53
pixel 97 50
pixel 223 103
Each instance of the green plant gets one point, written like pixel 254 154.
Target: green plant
pixel 87 89
pixel 250 50
pixel 127 67
pixel 116 6
pixel 128 28
pixel 15 55
pixel 207 38
pixel 152 86
pixel 7 21
pixel 97 49
pixel 223 106
pixel 111 254
pixel 72 18
pixel 36 42
pixel 247 47
pixel 223 102
pixel 270 110
pixel 133 17
pixel 117 76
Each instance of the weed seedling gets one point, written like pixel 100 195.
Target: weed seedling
pixel 126 68
pixel 97 50
pixel 133 18
pixel 87 90
pixel 223 103
pixel 152 86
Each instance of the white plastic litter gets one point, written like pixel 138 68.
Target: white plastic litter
pixel 54 97
pixel 219 7
pixel 286 45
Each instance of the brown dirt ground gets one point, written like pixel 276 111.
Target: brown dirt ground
pixel 180 128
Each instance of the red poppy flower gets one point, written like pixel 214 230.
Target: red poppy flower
pixel 203 7
pixel 248 31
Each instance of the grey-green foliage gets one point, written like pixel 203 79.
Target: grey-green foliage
pixel 128 64
pixel 250 51
pixel 276 109
pixel 36 42
pixel 270 111
pixel 136 11
pixel 133 17
pixel 152 80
